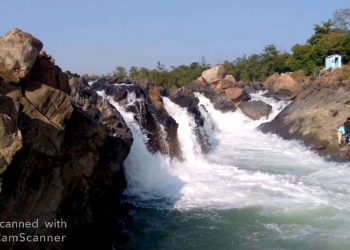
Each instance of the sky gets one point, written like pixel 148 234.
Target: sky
pixel 95 36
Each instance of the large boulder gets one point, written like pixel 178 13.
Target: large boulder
pixel 217 98
pixel 284 86
pixel 228 82
pixel 214 74
pixel 18 53
pixel 255 109
pixel 236 94
pixel 313 117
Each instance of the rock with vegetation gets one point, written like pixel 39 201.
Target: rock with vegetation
pixel 314 117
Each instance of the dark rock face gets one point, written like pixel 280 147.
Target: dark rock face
pixel 314 116
pixel 59 161
pixel 255 109
pixel 45 71
pixel 185 98
pixel 149 112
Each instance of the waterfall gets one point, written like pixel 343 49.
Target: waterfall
pixel 283 190
pixel 245 167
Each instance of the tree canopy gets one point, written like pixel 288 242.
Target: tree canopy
pixel 330 37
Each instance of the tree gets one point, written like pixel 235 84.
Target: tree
pixel 341 19
pixel 134 73
pixel 120 72
pixel 320 30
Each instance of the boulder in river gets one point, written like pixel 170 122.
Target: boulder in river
pixel 255 109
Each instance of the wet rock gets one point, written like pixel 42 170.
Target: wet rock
pixel 185 98
pixel 255 109
pixel 218 99
pixel 149 113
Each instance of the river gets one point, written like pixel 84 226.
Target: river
pixel 252 191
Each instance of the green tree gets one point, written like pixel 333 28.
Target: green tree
pixel 120 72
pixel 320 30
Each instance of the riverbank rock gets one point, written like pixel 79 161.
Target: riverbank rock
pixel 255 109
pixel 18 53
pixel 60 156
pixel 314 117
pixel 284 86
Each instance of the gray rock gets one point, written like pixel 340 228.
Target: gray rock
pixel 255 109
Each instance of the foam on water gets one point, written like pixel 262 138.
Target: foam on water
pixel 246 168
pixel 299 193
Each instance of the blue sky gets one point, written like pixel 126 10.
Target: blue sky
pixel 87 36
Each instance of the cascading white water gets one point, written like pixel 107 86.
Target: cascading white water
pixel 300 194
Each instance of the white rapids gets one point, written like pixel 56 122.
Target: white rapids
pixel 246 168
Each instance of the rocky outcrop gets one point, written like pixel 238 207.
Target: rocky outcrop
pixel 149 112
pixel 214 74
pixel 314 117
pixel 18 53
pixel 255 109
pixel 236 94
pixel 45 71
pixel 222 90
pixel 60 156
pixel 185 98
pixel 228 82
pixel 10 135
pixel 284 86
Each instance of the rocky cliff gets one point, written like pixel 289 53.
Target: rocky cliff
pixel 314 116
pixel 61 151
